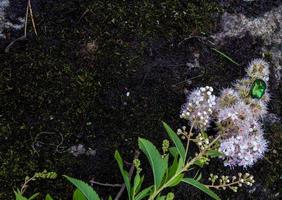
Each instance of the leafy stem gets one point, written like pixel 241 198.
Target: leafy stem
pixel 184 169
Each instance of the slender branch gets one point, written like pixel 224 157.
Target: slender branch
pixel 25 185
pixel 106 184
pixel 27 13
pixel 188 140
pixel 184 169
pixel 31 16
pixel 223 185
pixel 137 153
pixel 201 153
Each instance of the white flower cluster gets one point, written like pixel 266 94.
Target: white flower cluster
pixel 199 107
pixel 237 116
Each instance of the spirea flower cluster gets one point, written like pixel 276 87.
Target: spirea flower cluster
pixel 199 107
pixel 237 115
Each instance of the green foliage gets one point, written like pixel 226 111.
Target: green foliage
pixel 177 142
pixel 19 196
pixel 124 173
pixel 200 186
pixel 78 195
pixel 167 173
pixel 225 56
pixel 48 197
pixel 84 188
pixel 158 164
pixel 214 153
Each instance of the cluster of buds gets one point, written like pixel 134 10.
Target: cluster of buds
pixel 202 141
pixel 45 175
pixel 183 133
pixel 199 107
pixel 137 164
pixel 232 183
pixel 165 146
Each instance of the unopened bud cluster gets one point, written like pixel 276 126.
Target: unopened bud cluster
pixel 165 146
pixel 183 133
pixel 202 142
pixel 45 175
pixel 232 183
pixel 137 164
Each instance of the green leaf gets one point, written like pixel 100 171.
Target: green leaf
pixel 33 196
pixel 202 187
pixel 136 183
pixel 143 193
pixel 173 168
pixel 86 190
pixel 19 195
pixel 173 151
pixel 199 177
pixel 110 198
pixel 140 185
pixel 214 153
pixel 176 166
pixel 161 198
pixel 78 195
pixel 177 142
pixel 176 180
pixel 158 164
pixel 48 197
pixel 225 56
pixel 123 173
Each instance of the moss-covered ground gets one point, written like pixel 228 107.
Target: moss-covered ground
pixel 70 85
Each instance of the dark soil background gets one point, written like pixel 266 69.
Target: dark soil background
pixel 72 80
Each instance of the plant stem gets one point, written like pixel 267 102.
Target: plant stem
pixel 222 185
pixel 188 140
pixel 184 169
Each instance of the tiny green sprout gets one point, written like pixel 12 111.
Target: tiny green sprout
pixel 165 146
pixel 137 164
pixel 45 175
pixel 170 196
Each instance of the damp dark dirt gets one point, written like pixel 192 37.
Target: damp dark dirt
pixel 102 74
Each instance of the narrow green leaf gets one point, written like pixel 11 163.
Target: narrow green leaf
pixel 78 195
pixel 225 56
pixel 176 180
pixel 177 142
pixel 19 195
pixel 199 177
pixel 110 198
pixel 201 187
pixel 140 185
pixel 136 182
pixel 86 190
pixel 161 198
pixel 144 193
pixel 173 151
pixel 158 164
pixel 173 168
pixel 33 196
pixel 123 173
pixel 48 197
pixel 214 153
